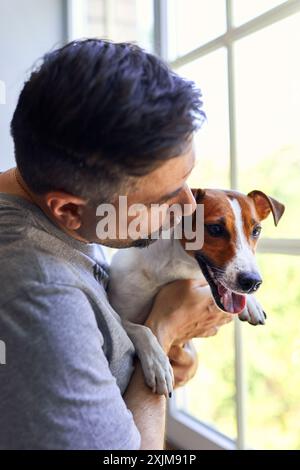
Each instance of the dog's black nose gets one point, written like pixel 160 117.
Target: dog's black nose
pixel 249 282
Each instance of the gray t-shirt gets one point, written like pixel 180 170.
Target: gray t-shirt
pixel 68 359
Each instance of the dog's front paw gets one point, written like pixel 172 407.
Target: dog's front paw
pixel 253 312
pixel 155 363
pixel 157 370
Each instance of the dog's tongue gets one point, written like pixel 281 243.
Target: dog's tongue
pixel 232 302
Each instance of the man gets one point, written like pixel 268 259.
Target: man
pixel 96 120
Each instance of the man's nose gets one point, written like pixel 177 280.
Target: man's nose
pixel 187 200
pixel 249 281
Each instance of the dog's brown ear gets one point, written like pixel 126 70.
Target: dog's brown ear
pixel 265 204
pixel 198 194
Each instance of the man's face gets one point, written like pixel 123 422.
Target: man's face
pixel 162 188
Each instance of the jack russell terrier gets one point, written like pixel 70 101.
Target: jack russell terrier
pixel 226 260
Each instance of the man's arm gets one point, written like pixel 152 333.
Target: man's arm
pixel 181 311
pixel 148 409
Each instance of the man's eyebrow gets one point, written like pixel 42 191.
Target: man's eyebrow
pixel 166 197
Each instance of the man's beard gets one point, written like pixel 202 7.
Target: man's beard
pixel 140 242
pixel 145 242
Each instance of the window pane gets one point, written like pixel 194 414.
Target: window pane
pixel 246 10
pixel 210 395
pixel 268 117
pixel 193 23
pixel 120 20
pixel 212 141
pixel 272 355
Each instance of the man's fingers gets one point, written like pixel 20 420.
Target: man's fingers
pixel 184 361
pixel 225 320
pixel 179 355
pixel 199 282
pixel 211 332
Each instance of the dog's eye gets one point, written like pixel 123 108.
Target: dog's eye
pixel 215 230
pixel 256 231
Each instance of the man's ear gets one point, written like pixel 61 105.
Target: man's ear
pixel 65 208
pixel 265 204
pixel 198 194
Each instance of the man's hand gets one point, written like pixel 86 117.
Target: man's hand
pixel 184 310
pixel 184 361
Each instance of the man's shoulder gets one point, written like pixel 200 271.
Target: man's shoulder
pixel 23 263
pixel 38 295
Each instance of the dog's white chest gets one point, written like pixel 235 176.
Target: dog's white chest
pixel 137 274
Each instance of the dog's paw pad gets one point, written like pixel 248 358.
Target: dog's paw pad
pixel 158 374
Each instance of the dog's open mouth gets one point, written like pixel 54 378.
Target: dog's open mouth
pixel 226 299
pixel 231 301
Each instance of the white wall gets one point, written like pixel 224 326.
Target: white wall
pixel 28 29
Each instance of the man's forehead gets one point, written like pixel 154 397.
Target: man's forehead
pixel 170 175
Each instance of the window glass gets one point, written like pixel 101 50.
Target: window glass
pixel 193 23
pixel 212 140
pixel 268 118
pixel 272 357
pixel 210 395
pixel 244 11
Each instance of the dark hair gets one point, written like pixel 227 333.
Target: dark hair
pixel 95 112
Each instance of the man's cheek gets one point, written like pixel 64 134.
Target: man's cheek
pixel 142 221
pixel 139 224
pixel 158 217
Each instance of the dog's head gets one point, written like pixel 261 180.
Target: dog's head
pixel 232 223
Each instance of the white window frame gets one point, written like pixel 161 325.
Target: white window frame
pixel 183 430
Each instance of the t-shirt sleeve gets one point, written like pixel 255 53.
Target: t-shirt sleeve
pixel 57 389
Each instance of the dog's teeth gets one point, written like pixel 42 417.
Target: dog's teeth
pixel 222 300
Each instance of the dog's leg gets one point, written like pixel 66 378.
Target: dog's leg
pixel 155 363
pixel 253 313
